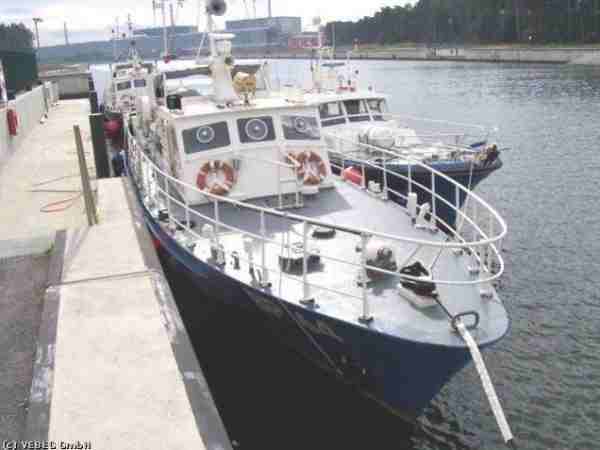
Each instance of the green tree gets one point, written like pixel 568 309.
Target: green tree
pixel 15 37
pixel 488 21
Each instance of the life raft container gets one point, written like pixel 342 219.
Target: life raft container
pixel 13 122
pixel 215 185
pixel 310 167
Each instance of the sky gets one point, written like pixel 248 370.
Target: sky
pixel 93 20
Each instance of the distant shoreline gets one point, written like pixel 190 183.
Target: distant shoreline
pixel 586 55
pixel 493 54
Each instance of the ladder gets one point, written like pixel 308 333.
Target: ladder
pixel 281 182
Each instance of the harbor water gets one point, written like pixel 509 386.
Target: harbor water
pixel 546 370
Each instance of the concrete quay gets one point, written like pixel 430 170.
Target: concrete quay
pixel 97 351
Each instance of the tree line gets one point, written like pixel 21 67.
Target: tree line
pixel 15 37
pixel 475 21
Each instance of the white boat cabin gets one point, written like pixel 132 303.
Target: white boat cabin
pixel 349 108
pixel 129 81
pixel 269 148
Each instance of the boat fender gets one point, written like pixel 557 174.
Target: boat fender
pixel 411 205
pixel 13 122
pixel 215 186
pixel 424 217
pixel 353 175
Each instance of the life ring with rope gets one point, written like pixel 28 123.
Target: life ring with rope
pixel 310 167
pixel 214 185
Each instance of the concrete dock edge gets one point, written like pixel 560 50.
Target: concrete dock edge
pixel 38 414
pixel 206 416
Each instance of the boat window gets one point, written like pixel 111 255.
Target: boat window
pixel 300 128
pixel 123 85
pixel 256 129
pixel 206 137
pixel 377 107
pixel 331 114
pixel 357 110
pixel 139 83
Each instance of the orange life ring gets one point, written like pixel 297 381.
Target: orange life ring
pixel 13 122
pixel 305 161
pixel 216 187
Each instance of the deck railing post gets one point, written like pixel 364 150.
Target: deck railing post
pixel 433 196
pixel 168 202
pixel 366 317
pixel 306 300
pixel 474 221
pixel 364 178
pixel 187 209
pixel 385 180
pixel 217 220
pixel 263 245
pixel 490 254
pixel 409 178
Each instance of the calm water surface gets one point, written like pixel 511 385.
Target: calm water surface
pixel 547 371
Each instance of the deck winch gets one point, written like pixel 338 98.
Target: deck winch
pixel 380 256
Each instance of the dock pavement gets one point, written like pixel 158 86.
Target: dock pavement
pixel 98 356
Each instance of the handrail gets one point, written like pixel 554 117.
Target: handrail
pixel 416 162
pixel 440 121
pixel 153 183
pixel 300 219
pixel 351 230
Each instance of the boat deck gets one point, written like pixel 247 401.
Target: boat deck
pixel 334 284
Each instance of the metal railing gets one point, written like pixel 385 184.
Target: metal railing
pixel 160 189
pixel 480 211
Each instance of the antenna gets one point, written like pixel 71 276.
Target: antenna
pixel 129 25
pixel 270 10
pixel 154 8
pixel 254 6
pixel 66 35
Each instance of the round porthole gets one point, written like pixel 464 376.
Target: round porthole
pixel 205 135
pixel 301 125
pixel 257 129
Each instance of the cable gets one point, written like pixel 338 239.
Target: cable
pixel 61 205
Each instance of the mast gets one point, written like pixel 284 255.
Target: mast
pixel 164 24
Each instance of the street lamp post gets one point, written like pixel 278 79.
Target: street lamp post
pixel 37 20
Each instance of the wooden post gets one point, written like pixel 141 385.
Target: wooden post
pixel 88 198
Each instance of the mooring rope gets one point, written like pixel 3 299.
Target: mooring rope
pixel 486 381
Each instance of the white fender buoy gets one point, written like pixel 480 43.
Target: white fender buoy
pixel 412 205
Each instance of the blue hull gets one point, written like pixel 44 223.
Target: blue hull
pixel 400 374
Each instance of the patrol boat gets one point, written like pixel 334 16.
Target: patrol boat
pixel 129 81
pixel 237 190
pixel 357 122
